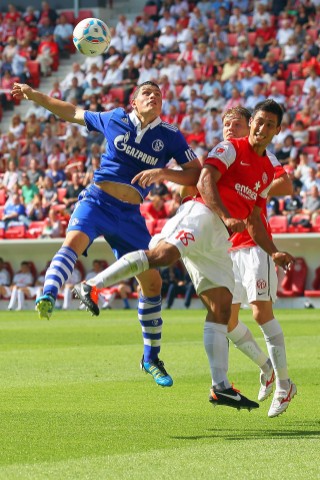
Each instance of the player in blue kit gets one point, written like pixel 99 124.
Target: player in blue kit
pixel 138 147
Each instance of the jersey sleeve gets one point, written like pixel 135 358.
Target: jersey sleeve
pixel 180 150
pixel 278 168
pixel 222 156
pixel 97 121
pixel 264 194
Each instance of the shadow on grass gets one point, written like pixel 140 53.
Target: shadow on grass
pixel 252 434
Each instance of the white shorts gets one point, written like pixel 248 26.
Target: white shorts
pixel 255 276
pixel 202 240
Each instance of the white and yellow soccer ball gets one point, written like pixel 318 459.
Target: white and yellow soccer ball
pixel 91 37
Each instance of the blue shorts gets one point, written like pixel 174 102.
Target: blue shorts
pixel 120 223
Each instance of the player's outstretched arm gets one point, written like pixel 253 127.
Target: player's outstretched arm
pixel 259 234
pixel 65 110
pixel 189 175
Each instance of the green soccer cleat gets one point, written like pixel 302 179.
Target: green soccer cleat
pixel 45 306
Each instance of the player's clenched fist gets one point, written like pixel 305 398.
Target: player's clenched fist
pixel 283 259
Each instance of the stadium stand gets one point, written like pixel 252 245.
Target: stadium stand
pixel 294 282
pixel 210 37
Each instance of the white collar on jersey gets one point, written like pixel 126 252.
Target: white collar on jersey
pixel 136 122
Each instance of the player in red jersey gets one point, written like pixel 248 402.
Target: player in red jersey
pixel 232 186
pixel 256 283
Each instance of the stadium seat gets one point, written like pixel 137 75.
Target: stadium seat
pixel 316 224
pixel 198 74
pixel 312 150
pixel 61 191
pixel 69 14
pixel 295 227
pixel 117 93
pixel 291 85
pixel 15 232
pixel 278 224
pixel 294 70
pixel 84 13
pixel 35 229
pixel 313 32
pixel 313 139
pixel 1 232
pixel 280 84
pixel 34 70
pixel 276 52
pixel 294 281
pixel 151 10
pixel 3 196
pixel 252 36
pixel 232 39
pixel 315 292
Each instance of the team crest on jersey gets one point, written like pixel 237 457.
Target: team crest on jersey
pixel 219 150
pixel 157 145
pixel 74 222
pixel 261 284
pixel 264 177
pixel 125 120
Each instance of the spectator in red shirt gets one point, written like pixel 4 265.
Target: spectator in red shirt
pixel 12 14
pixel 266 32
pixel 155 209
pixel 197 134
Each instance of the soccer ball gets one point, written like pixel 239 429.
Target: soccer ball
pixel 91 37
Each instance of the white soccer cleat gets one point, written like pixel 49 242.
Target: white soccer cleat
pixel 281 401
pixel 266 386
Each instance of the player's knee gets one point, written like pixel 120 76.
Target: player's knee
pixel 163 255
pixel 225 313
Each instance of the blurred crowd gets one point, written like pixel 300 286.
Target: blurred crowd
pixel 207 56
pixel 27 283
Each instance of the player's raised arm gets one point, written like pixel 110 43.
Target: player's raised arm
pixel 65 110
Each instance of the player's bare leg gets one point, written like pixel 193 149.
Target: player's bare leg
pixel 218 304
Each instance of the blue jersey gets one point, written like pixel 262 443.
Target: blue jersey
pixel 130 150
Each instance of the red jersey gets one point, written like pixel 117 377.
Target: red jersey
pixel 243 239
pixel 246 177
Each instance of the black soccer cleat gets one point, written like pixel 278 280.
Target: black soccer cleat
pixel 230 397
pixel 88 295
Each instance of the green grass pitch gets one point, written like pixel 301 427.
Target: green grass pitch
pixel 74 404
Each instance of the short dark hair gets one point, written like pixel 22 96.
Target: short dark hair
pixel 237 111
pixel 271 106
pixel 149 82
